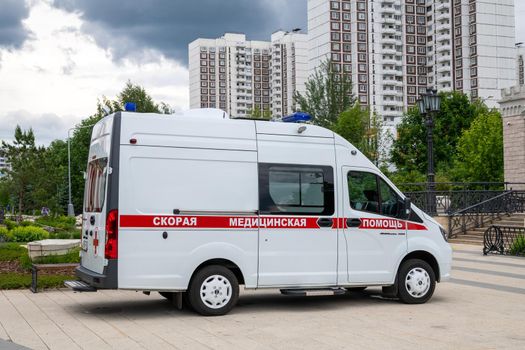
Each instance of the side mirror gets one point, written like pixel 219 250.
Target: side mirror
pixel 407 207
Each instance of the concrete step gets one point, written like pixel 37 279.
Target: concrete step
pixel 466 241
pixel 470 237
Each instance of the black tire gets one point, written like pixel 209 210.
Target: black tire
pixel 356 289
pixel 419 287
pixel 227 287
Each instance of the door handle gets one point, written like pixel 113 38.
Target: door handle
pixel 324 222
pixel 353 222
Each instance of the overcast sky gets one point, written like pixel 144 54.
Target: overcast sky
pixel 58 56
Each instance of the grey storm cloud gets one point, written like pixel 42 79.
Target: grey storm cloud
pixel 128 27
pixel 12 32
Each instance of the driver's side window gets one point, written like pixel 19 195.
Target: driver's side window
pixel 370 193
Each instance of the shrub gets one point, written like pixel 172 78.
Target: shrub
pixel 4 234
pixel 27 234
pixel 10 224
pixel 25 223
pixel 60 222
pixel 518 246
pixel 72 256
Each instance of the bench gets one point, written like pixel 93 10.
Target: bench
pixel 39 267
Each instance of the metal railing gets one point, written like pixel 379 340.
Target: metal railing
pixel 450 197
pixel 480 214
pixel 505 240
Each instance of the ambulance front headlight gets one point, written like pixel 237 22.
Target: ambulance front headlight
pixel 444 233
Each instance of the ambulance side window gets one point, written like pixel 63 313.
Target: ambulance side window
pixel 296 189
pixel 370 193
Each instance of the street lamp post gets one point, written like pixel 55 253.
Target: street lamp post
pixel 429 105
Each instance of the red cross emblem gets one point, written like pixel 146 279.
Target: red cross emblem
pixel 95 242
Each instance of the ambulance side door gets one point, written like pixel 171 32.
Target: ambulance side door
pixel 374 233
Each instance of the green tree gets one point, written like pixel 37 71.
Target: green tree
pixel 328 94
pixel 255 112
pixel 22 155
pixel 409 150
pixel 479 154
pixel 364 130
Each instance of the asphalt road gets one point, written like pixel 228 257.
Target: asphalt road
pixel 482 307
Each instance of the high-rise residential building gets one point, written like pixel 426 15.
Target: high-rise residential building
pixel 3 165
pixel 520 65
pixel 394 49
pixel 241 76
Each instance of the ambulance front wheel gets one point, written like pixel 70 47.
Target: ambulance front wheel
pixel 416 282
pixel 213 291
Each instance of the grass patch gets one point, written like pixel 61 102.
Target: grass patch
pixel 72 257
pixel 20 281
pixel 11 251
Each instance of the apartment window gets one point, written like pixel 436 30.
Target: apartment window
pixel 421 30
pixel 412 90
pixel 411 39
pixel 362 78
pixel 347 68
pixel 411 59
pixel 422 80
pixel 346 6
pixel 421 50
pixel 361 57
pixel 361 37
pixel 411 80
pixel 421 61
pixel 411 70
pixel 222 69
pixel 222 84
pixel 363 99
pixel 346 16
pixel 336 46
pixel 459 73
pixel 204 83
pixel 361 26
pixel 347 37
pixel 361 47
pixel 473 72
pixel 410 8
pixel 204 91
pixel 204 63
pixel 204 70
pixel 336 57
pixel 421 40
pixel 411 100
pixel 336 36
pixel 335 26
pixel 203 55
pixel 411 49
pixel 347 47
pixel 346 27
pixel 361 16
pixel 347 58
pixel 362 67
pixel 411 29
pixel 334 5
pixel 336 67
pixel 361 6
pixel 204 77
pixel 410 19
pixel 334 15
pixel 362 88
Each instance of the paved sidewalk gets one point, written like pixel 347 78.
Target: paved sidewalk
pixel 481 308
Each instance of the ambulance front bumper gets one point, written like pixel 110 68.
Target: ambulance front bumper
pixel 106 280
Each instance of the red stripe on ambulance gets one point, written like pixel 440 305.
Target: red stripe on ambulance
pixel 254 222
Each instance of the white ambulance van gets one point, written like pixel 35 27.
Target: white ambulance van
pixel 194 205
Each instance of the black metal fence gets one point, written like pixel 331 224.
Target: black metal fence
pixel 478 215
pixel 506 240
pixel 450 197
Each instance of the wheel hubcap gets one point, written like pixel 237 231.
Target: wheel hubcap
pixel 417 282
pixel 216 291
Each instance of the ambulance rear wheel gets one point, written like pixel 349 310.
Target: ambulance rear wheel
pixel 416 282
pixel 214 291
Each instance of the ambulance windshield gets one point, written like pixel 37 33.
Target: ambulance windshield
pixel 95 192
